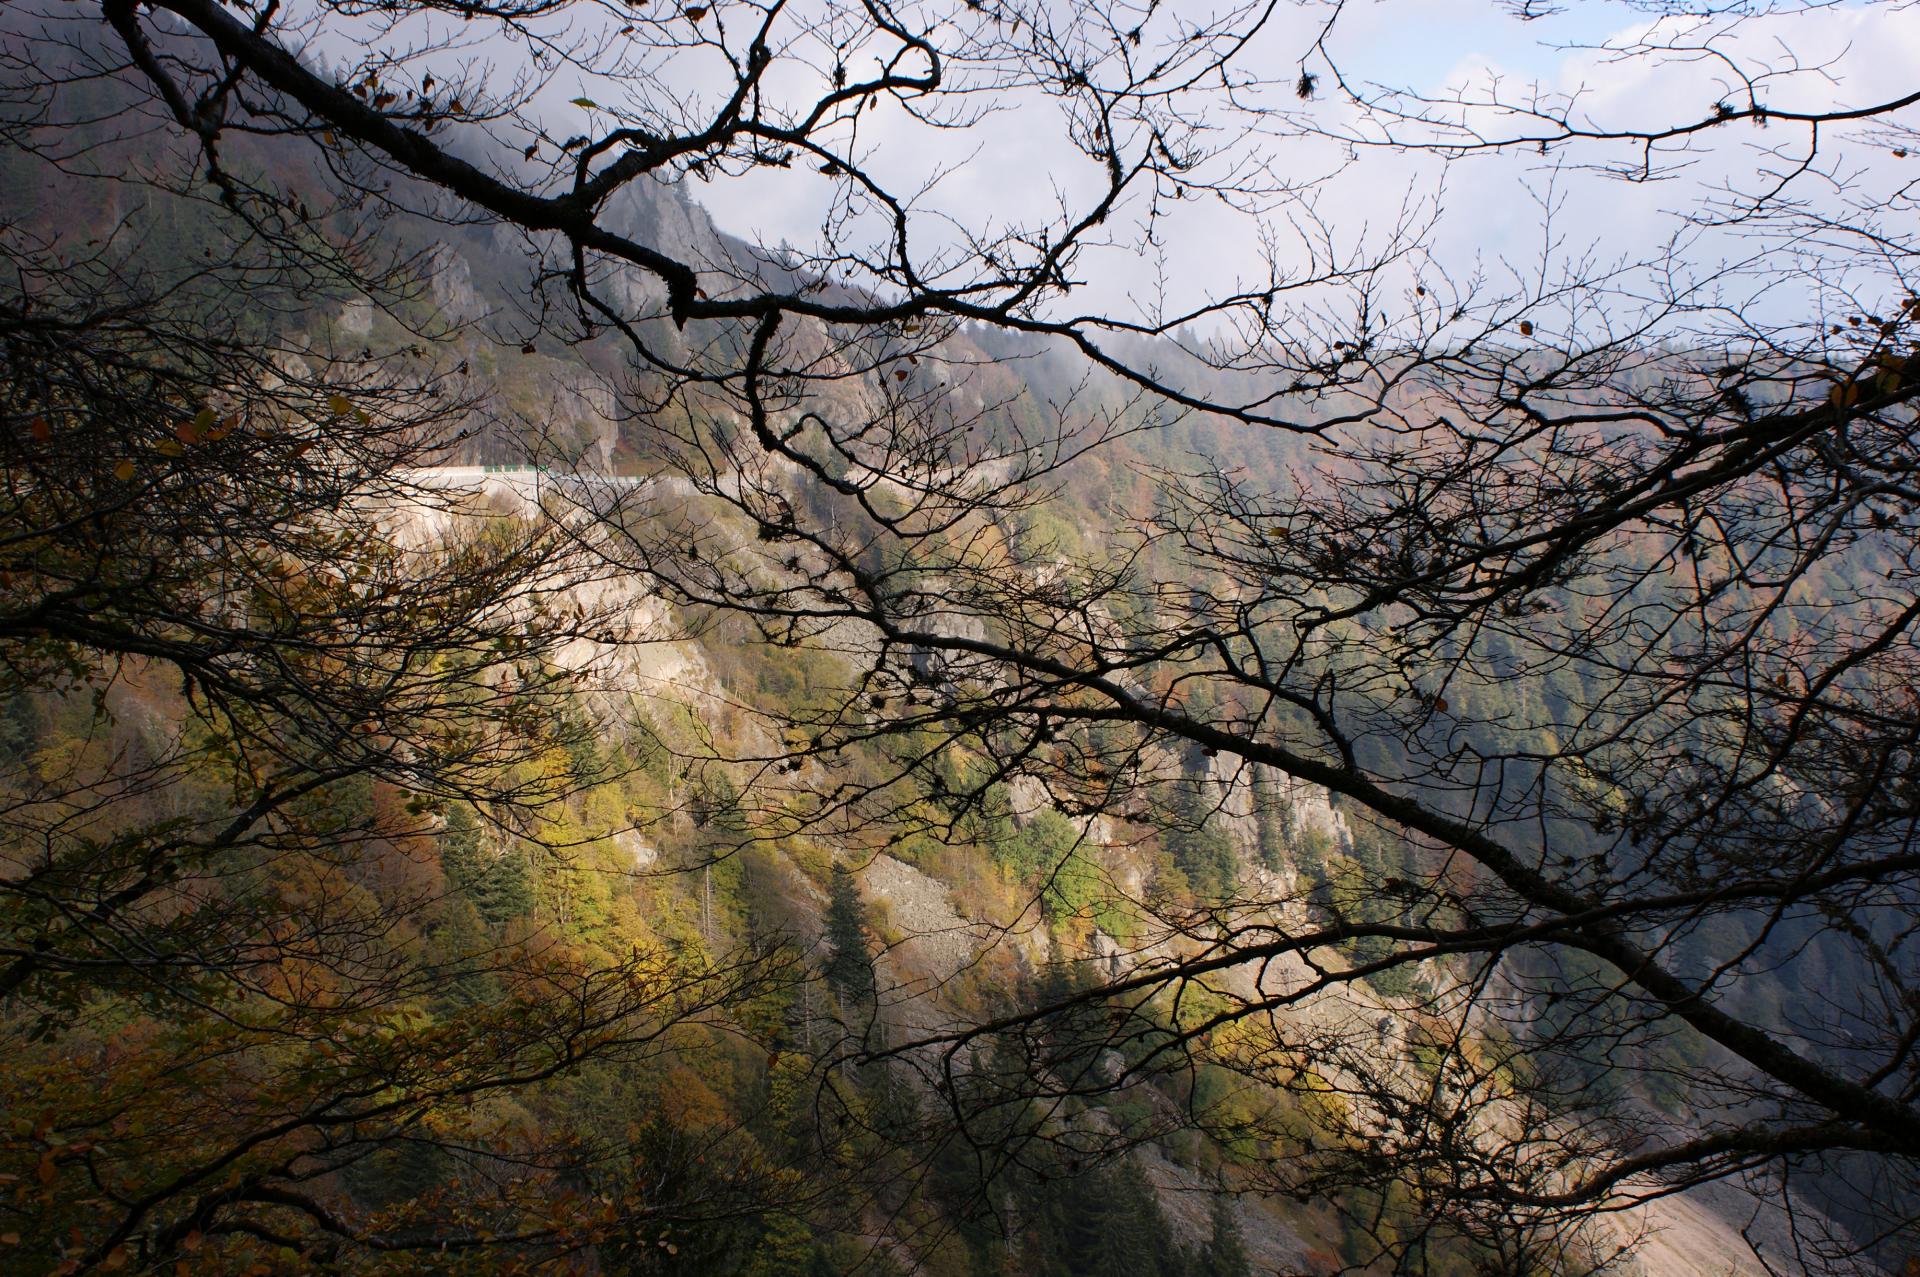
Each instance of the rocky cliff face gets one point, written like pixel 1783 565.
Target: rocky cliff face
pixel 1268 812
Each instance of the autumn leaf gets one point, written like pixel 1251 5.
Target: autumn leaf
pixel 339 405
pixel 587 103
pixel 40 429
pixel 696 12
pixel 1526 328
pixel 124 471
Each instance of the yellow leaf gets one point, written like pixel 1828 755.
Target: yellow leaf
pixel 168 448
pixel 123 471
pixel 340 405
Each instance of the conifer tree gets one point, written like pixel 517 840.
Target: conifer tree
pixel 1225 1254
pixel 849 967
pixel 500 885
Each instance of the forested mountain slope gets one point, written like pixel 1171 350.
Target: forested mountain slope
pixel 459 822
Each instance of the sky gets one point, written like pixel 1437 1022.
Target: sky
pixel 1479 217
pixel 1489 209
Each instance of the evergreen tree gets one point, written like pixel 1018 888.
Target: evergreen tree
pixel 1093 1223
pixel 1199 847
pixel 461 857
pixel 456 937
pixel 1272 818
pixel 785 1249
pixel 500 886
pixel 1225 1255
pixel 849 969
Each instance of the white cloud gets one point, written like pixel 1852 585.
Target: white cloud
pixel 1008 168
